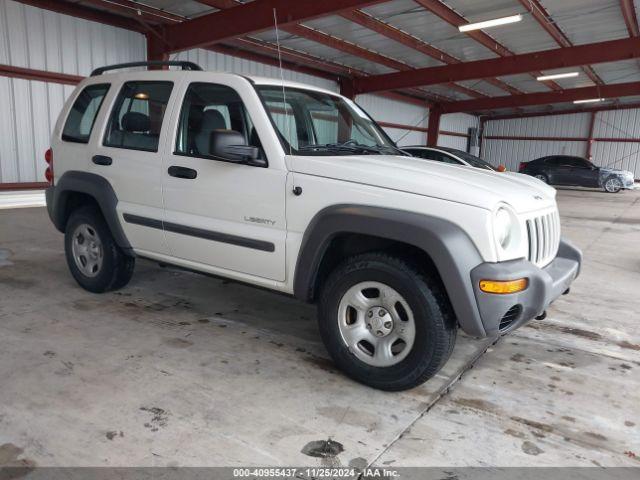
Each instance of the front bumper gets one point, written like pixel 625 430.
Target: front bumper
pixel 502 313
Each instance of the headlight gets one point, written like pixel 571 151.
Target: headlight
pixel 503 227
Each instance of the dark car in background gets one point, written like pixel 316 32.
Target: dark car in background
pixel 452 156
pixel 577 171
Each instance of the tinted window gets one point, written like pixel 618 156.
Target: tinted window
pixel 208 107
pixel 83 113
pixel 553 161
pixel 470 159
pixel 136 118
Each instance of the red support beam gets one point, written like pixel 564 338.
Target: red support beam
pixel 389 31
pixel 630 17
pixel 609 51
pixel 592 124
pixel 252 17
pixel 75 10
pixel 455 19
pixel 544 98
pixel 346 88
pixel 24 186
pixel 433 127
pixel 620 106
pixel 353 49
pixel 330 41
pixel 546 22
pixel 136 10
pixel 40 75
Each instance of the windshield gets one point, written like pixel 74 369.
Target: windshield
pixel 470 159
pixel 317 123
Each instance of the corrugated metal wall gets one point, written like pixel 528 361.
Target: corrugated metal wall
pixel 511 152
pixel 459 123
pixel 623 124
pixel 387 110
pixel 43 40
pixel 618 124
pixel 218 62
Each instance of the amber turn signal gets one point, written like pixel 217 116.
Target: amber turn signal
pixel 503 287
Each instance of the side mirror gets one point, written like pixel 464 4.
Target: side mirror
pixel 230 145
pixel 502 168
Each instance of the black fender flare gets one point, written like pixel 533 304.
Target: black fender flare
pixel 93 185
pixel 448 245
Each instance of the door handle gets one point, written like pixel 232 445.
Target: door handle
pixel 102 160
pixel 182 172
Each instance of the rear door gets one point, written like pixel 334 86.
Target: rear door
pixel 219 214
pixel 128 157
pixel 557 170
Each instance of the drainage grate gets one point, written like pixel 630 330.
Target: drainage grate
pixel 511 316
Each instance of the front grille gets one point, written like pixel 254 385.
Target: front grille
pixel 544 237
pixel 511 316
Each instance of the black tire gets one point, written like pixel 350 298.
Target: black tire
pixel 612 180
pixel 435 325
pixel 542 177
pixel 117 267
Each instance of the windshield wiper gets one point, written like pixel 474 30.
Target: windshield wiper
pixel 351 146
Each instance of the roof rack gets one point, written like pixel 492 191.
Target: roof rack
pixel 154 63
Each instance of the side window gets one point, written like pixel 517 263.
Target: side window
pixel 136 118
pixel 208 107
pixel 83 113
pixel 437 156
pixel 426 154
pixel 552 161
pixel 285 119
pixel 447 159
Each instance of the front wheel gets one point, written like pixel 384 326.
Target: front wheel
pixel 612 185
pixel 384 323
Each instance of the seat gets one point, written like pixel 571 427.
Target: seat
pixel 134 132
pixel 211 120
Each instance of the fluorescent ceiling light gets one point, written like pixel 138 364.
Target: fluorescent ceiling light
pixel 555 76
pixel 490 23
pixel 589 100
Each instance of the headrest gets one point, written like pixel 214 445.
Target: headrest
pixel 212 120
pixel 135 122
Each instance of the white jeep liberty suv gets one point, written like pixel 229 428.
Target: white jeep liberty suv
pixel 298 190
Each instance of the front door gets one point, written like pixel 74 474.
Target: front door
pixel 224 215
pixel 585 174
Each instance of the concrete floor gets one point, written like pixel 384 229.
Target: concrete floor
pixel 181 369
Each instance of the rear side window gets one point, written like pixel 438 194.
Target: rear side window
pixel 136 119
pixel 83 113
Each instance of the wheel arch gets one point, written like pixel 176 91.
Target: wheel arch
pixel 442 245
pixel 75 189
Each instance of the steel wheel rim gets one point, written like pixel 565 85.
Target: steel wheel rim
pixel 87 249
pixel 542 178
pixel 612 185
pixel 376 324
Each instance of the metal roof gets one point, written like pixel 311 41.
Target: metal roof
pixel 403 35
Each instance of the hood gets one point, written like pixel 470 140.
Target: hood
pixel 472 186
pixel 617 171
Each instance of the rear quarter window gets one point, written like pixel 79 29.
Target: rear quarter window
pixel 83 113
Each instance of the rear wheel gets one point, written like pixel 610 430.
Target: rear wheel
pixel 384 323
pixel 612 185
pixel 542 177
pixel 94 259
